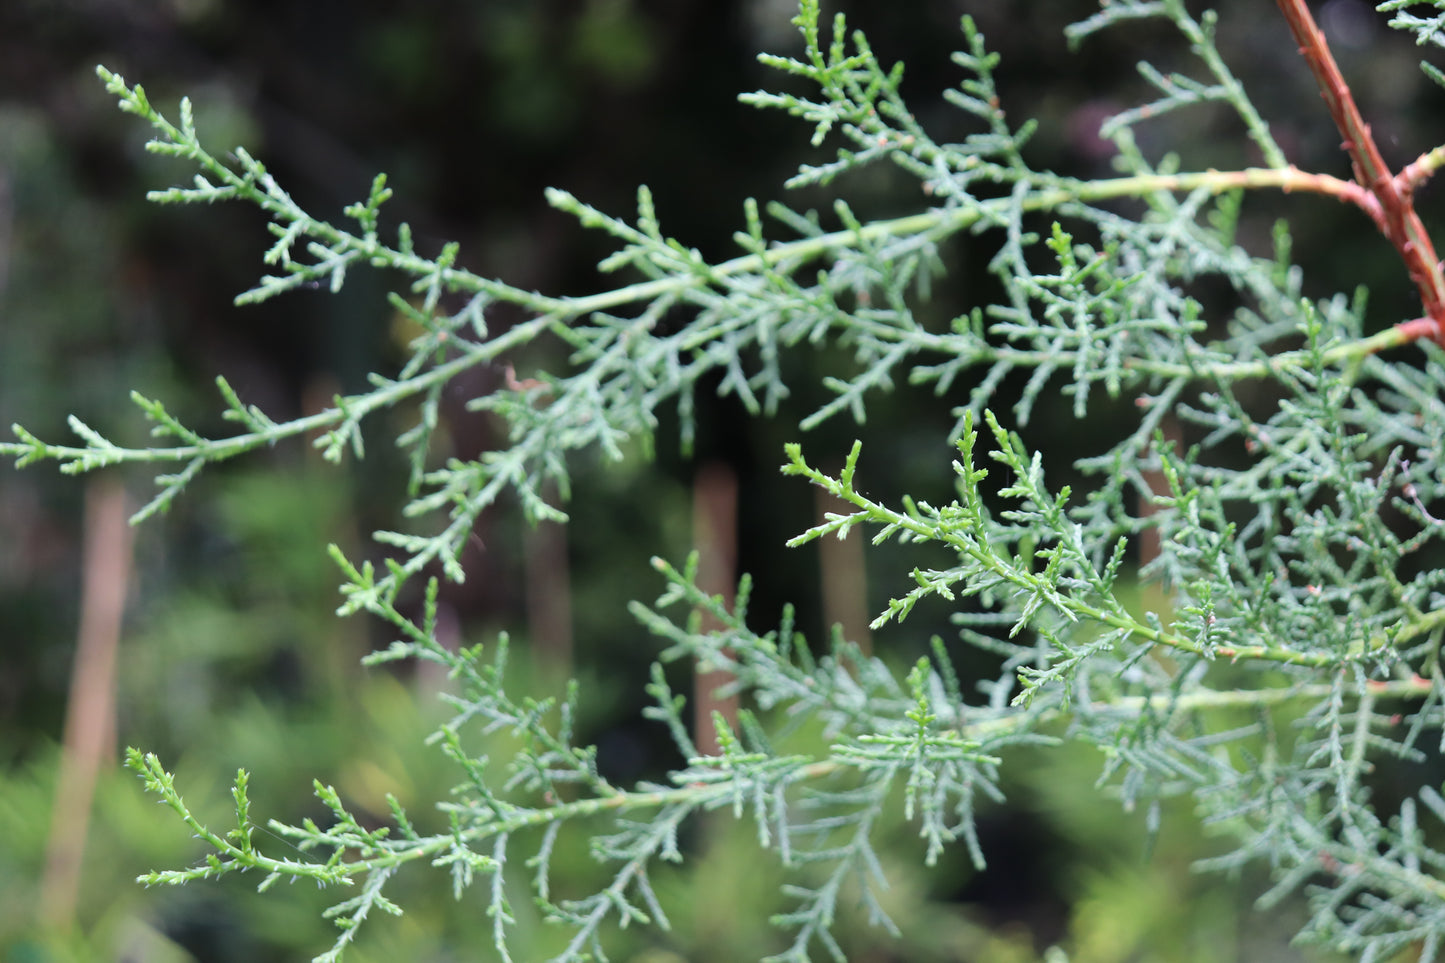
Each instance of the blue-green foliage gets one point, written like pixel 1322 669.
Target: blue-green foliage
pixel 1294 639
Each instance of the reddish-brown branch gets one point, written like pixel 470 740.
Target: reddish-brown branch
pixel 1417 328
pixel 1398 221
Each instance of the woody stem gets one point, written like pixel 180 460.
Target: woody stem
pixel 1396 219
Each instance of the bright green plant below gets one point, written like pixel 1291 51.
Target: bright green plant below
pixel 1298 532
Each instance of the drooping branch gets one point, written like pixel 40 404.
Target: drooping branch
pixel 1397 218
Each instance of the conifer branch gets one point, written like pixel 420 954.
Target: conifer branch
pixel 1292 531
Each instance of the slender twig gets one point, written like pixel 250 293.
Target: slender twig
pixel 1421 169
pixel 1397 218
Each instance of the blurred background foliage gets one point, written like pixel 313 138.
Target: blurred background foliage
pixel 230 655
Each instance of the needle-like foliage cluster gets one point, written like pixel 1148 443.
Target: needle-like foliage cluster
pixel 1294 639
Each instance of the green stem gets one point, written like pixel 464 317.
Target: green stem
pixel 353 407
pixel 1203 45
pixel 941 222
pixel 699 795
